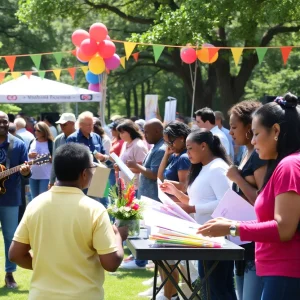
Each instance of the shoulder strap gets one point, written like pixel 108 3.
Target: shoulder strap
pixel 9 150
pixel 50 146
pixel 30 144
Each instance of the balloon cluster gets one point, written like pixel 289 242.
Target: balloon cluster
pixel 189 54
pixel 95 49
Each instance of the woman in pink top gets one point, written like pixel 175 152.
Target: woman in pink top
pixel 133 149
pixel 276 138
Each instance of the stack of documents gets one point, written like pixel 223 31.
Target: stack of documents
pixel 172 238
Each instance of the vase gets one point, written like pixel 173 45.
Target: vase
pixel 133 227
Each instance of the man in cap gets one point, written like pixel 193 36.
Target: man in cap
pixel 67 125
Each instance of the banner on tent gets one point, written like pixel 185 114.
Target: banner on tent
pixel 49 98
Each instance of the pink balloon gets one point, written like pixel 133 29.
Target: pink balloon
pixel 106 49
pixel 81 57
pixel 113 62
pixel 95 87
pixel 107 37
pixel 98 32
pixel 78 36
pixel 89 47
pixel 188 55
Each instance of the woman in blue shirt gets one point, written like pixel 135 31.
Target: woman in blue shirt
pixel 175 163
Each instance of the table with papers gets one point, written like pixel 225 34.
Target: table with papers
pixel 144 249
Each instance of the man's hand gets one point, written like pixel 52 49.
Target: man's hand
pixel 25 169
pixel 122 231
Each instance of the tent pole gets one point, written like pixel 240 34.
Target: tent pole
pixel 103 101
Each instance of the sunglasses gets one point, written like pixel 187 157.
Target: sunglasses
pixel 37 130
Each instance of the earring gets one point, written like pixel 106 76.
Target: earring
pixel 248 132
pixel 276 138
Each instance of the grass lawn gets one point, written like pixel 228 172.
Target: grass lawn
pixel 121 285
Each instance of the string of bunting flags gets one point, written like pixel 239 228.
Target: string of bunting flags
pixel 207 53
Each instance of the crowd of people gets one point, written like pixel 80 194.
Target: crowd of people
pixel 258 157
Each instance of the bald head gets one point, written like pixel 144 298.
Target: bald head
pixel 3 115
pixel 153 131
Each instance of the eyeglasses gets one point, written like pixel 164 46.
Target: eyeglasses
pixel 93 168
pixel 170 143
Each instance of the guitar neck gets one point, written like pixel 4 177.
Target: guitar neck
pixel 12 170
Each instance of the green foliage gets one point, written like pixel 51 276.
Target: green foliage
pixel 9 108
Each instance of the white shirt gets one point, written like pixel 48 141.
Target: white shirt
pixel 208 189
pixel 53 131
pixel 106 142
pixel 222 136
pixel 230 140
pixel 26 136
pixel 40 171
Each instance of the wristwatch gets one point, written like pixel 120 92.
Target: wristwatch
pixel 233 229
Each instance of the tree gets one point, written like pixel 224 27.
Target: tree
pixel 223 23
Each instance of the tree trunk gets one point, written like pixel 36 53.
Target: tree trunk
pixel 127 98
pixel 142 112
pixel 136 103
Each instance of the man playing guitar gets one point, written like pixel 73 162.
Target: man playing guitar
pixel 13 152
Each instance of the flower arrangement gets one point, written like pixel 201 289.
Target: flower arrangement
pixel 124 205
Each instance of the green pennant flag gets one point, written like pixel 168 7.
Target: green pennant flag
pixel 42 74
pixel 157 49
pixel 58 57
pixel 261 52
pixel 36 60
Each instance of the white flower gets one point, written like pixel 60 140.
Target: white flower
pixel 127 208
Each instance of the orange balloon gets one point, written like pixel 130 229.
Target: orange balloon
pixel 203 56
pixel 81 56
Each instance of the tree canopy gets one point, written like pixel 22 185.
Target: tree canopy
pixel 223 23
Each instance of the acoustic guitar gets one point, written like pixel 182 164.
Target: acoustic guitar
pixel 4 173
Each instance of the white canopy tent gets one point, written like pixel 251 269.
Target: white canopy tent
pixel 38 90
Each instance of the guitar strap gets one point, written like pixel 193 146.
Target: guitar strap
pixel 9 150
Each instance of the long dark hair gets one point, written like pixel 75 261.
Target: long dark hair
pixel 131 128
pixel 284 111
pixel 98 127
pixel 213 142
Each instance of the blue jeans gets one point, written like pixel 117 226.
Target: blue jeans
pixel 38 186
pixel 220 281
pixel 249 286
pixel 9 223
pixel 280 288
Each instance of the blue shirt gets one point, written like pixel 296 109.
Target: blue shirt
pixel 148 187
pixel 176 163
pixel 94 142
pixel 18 156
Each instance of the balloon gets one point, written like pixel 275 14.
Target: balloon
pixel 98 32
pixel 92 78
pixel 89 47
pixel 95 87
pixel 203 54
pixel 107 37
pixel 81 57
pixel 188 55
pixel 106 49
pixel 113 62
pixel 78 36
pixel 97 65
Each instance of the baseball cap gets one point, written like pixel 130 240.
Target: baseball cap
pixel 66 117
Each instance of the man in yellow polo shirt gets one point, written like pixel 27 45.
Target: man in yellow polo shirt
pixel 69 234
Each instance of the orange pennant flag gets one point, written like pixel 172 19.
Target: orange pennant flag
pixel 136 56
pixel 72 72
pixel 285 52
pixel 2 76
pixel 28 74
pixel 212 51
pixel 10 60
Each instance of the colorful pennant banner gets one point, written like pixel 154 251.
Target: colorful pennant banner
pixel 157 50
pixel 36 60
pixel 129 47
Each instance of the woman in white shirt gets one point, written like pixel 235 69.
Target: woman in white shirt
pixel 207 184
pixel 41 145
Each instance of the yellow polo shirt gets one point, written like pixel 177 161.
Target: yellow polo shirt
pixel 66 231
